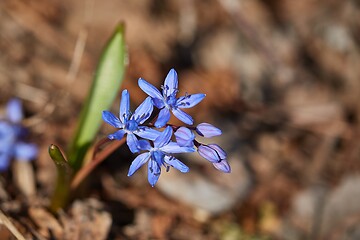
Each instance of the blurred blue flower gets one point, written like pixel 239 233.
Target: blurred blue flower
pixel 159 155
pixel 216 155
pixel 167 101
pixel 129 123
pixel 11 133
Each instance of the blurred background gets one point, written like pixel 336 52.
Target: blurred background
pixel 282 80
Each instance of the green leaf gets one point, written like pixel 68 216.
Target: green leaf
pixel 106 84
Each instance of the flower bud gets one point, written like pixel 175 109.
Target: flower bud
pixel 207 130
pixel 212 152
pixel 184 137
pixel 223 166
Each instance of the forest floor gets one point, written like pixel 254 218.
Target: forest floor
pixel 282 80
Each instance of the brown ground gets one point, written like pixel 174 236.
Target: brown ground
pixel 282 79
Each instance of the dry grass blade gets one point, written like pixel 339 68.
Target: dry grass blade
pixel 10 226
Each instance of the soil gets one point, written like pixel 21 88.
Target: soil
pixel 282 80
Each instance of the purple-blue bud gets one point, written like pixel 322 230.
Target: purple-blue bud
pixel 223 166
pixel 212 152
pixel 184 137
pixel 207 130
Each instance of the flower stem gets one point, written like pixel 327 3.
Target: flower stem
pixel 85 170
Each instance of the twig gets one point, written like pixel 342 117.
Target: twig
pixel 77 56
pixel 10 226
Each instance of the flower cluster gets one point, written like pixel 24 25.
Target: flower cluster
pixel 157 146
pixel 11 134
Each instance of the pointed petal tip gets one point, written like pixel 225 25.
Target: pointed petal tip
pixel 158 125
pixel 171 83
pixel 173 71
pixel 186 171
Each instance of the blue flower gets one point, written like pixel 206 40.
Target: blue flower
pixel 11 132
pixel 159 155
pixel 216 155
pixel 167 101
pixel 129 123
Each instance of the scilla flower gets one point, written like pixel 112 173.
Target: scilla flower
pixel 167 101
pixel 129 123
pixel 159 155
pixel 11 133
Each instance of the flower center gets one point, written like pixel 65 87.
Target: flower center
pixel 131 125
pixel 158 156
pixel 171 101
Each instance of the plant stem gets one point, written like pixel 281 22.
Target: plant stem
pixel 85 170
pixel 64 175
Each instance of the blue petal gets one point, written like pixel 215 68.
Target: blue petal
pixel 163 118
pixel 223 166
pixel 171 83
pixel 190 100
pixel 144 145
pixel 4 161
pixel 147 133
pixel 143 112
pixel 149 89
pixel 163 138
pixel 159 103
pixel 14 110
pixel 183 116
pixel 184 137
pixel 132 142
pixel 124 106
pixel 173 147
pixel 7 136
pixel 111 119
pixel 118 135
pixel 25 151
pixel 154 171
pixel 175 163
pixel 207 130
pixel 138 162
